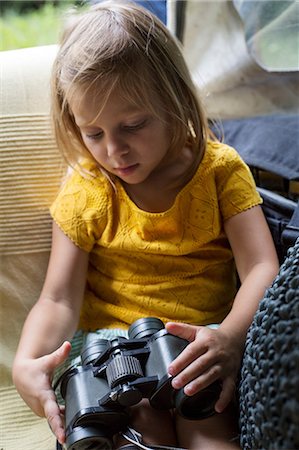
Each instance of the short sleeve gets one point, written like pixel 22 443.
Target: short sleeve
pixel 236 186
pixel 80 210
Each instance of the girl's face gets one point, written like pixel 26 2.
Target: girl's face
pixel 125 140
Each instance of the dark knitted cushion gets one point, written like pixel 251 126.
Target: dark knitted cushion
pixel 269 387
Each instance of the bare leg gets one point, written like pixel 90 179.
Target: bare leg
pixel 156 427
pixel 213 433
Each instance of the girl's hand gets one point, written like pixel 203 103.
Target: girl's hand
pixel 33 380
pixel 211 355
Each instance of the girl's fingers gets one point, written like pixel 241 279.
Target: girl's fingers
pixel 189 360
pixel 54 417
pixel 202 362
pixel 52 411
pixel 190 365
pixel 227 393
pixel 193 383
pixel 191 352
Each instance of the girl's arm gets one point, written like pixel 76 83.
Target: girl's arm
pixel 214 354
pixel 256 263
pixel 52 321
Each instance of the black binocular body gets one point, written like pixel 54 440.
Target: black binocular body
pixel 117 374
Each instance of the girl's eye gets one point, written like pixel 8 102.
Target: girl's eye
pixel 135 126
pixel 94 136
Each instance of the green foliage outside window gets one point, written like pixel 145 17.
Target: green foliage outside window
pixel 32 23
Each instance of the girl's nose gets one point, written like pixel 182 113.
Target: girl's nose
pixel 116 146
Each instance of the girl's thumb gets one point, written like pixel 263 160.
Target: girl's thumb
pixel 59 355
pixel 182 330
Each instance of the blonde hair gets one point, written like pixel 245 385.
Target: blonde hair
pixel 121 45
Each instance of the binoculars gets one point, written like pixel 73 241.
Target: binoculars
pixel 117 374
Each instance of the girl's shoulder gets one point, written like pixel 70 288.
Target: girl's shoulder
pixel 80 208
pixel 86 178
pixel 231 178
pixel 219 154
pixel 86 173
pixel 85 189
pixel 220 161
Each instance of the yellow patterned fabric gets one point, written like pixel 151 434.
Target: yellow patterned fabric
pixel 176 265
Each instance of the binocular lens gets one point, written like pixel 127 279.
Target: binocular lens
pixel 89 438
pixel 92 350
pixel 92 444
pixel 143 328
pixel 200 405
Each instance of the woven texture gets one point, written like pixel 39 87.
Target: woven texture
pixel 20 429
pixel 31 171
pixel 269 388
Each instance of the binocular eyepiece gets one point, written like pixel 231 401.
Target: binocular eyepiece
pixel 117 374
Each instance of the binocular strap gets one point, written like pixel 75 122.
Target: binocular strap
pixel 135 438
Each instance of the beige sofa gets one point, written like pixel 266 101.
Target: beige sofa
pixel 31 170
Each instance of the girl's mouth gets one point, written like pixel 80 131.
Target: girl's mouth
pixel 125 171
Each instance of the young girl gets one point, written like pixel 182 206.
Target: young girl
pixel 149 223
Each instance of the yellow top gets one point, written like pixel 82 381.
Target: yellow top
pixel 176 265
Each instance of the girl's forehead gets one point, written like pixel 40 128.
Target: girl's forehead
pixel 130 91
pixel 89 106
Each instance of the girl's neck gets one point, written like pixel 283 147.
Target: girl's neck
pixel 159 191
